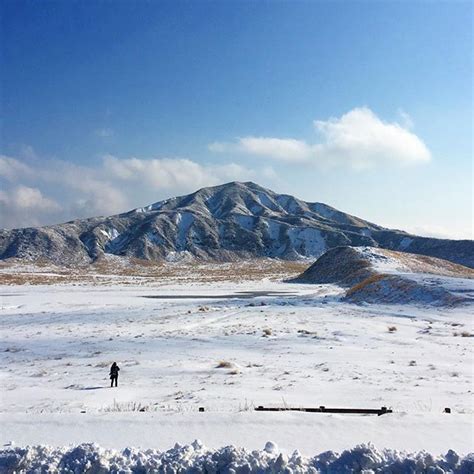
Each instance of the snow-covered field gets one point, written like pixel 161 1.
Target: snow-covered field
pixel 204 344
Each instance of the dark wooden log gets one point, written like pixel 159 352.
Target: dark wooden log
pixel 323 409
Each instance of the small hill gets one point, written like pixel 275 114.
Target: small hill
pixel 374 275
pixel 344 266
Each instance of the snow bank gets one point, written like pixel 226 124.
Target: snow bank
pixel 197 458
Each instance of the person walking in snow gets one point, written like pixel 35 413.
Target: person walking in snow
pixel 114 370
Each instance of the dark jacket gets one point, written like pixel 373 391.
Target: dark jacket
pixel 114 370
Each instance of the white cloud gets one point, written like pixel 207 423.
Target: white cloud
pixel 283 149
pixel 111 186
pixel 164 172
pixel 24 197
pixel 173 173
pixel 362 139
pixel 88 190
pixel 23 205
pixel 12 169
pixel 407 121
pixel 358 138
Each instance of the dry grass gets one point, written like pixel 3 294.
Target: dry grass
pixel 424 264
pixel 366 282
pixel 224 364
pixel 126 407
pixel 133 271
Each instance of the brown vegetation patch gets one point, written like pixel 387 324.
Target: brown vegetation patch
pixel 134 271
pixel 423 264
pixel 366 282
pixel 224 364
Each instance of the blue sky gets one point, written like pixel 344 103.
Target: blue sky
pixel 366 106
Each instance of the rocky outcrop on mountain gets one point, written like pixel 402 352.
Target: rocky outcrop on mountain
pixel 228 222
pixel 374 275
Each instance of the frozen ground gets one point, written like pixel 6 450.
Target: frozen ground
pixel 304 348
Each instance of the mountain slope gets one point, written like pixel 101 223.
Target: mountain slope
pixel 227 222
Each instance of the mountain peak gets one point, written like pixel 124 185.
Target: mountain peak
pixel 235 220
pixel 236 185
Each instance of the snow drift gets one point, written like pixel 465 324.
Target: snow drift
pixel 197 458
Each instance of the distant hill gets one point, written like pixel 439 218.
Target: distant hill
pixel 228 222
pixel 374 275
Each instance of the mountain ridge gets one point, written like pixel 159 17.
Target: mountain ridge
pixel 227 222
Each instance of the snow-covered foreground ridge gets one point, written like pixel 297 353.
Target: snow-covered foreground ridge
pixel 228 346
pixel 196 458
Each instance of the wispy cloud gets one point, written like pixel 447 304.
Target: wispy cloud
pixel 359 139
pixel 12 169
pixel 281 149
pixel 173 173
pixel 113 185
pixel 22 205
pixel 407 121
pixel 23 197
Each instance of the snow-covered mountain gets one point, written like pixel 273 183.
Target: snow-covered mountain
pixel 227 222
